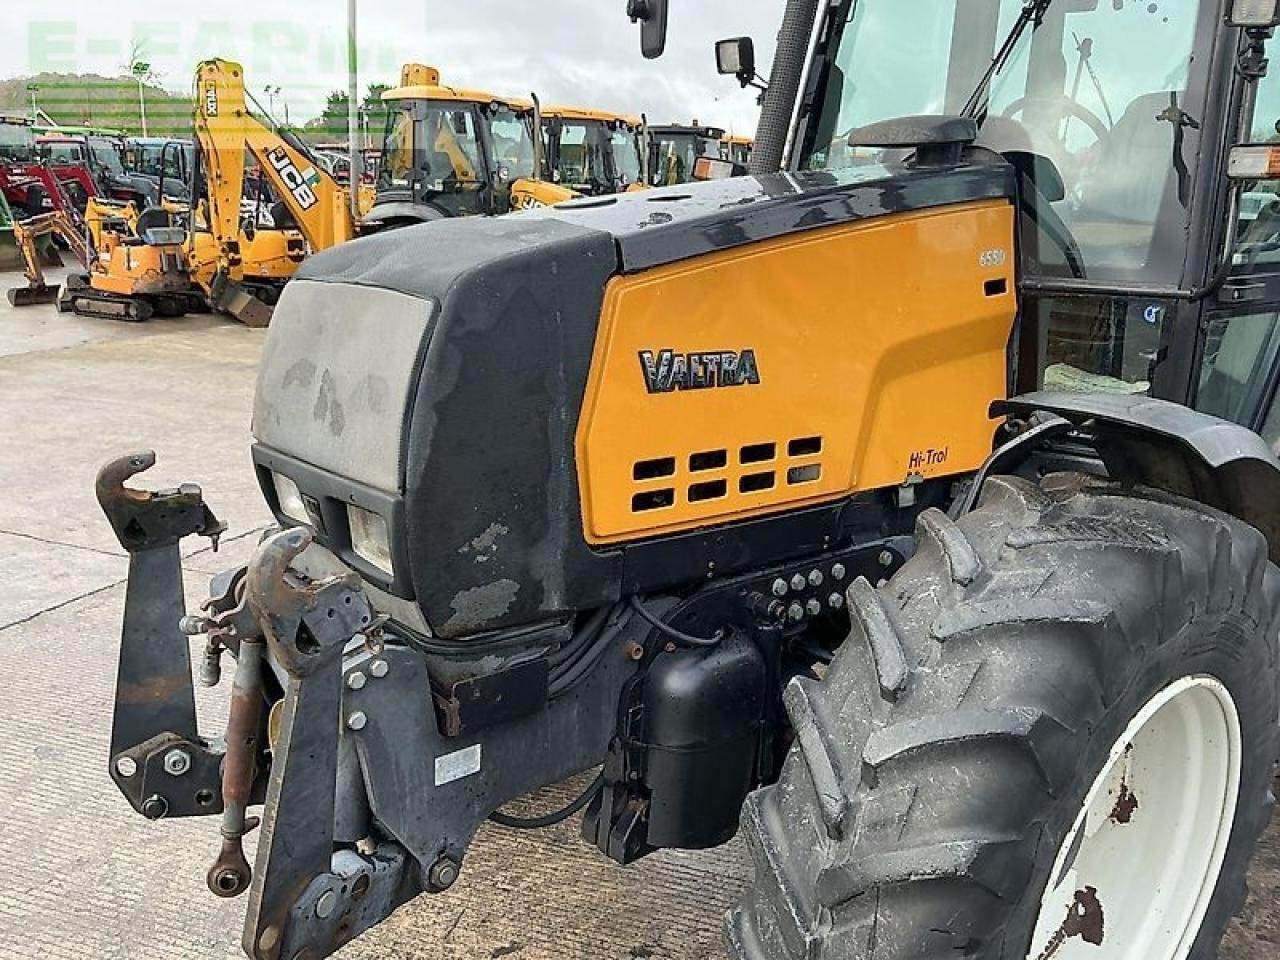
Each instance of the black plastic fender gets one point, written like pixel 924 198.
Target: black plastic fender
pixel 1169 447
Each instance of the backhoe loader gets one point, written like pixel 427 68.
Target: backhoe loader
pixel 453 152
pixel 235 263
pixel 748 495
pixel 595 153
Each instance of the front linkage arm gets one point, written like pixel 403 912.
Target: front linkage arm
pixel 308 892
pixel 158 760
pixel 369 800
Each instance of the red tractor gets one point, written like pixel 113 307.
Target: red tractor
pixel 33 187
pixel 96 160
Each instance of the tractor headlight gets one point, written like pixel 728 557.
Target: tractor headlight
pixel 290 497
pixel 369 537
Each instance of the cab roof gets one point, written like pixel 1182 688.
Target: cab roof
pixel 589 113
pixel 737 138
pixel 712 133
pixel 421 82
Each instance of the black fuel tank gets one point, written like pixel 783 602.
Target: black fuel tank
pixel 704 711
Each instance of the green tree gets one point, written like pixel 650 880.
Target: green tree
pixel 331 125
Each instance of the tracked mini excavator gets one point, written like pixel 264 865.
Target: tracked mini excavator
pixel 749 496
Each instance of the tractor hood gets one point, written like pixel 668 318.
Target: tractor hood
pixel 435 375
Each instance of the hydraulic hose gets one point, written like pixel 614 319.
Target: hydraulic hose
pixel 784 85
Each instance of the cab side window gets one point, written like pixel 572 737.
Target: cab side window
pixel 1259 213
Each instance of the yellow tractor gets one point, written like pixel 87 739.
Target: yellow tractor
pixel 746 500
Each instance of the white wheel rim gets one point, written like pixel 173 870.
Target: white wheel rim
pixel 1135 875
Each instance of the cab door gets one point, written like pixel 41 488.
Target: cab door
pixel 1238 360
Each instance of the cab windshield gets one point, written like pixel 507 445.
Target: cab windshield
pixel 1103 100
pixel 675 153
pixel 17 144
pixel 432 153
pixel 107 154
pixel 61 153
pixel 583 156
pixel 625 145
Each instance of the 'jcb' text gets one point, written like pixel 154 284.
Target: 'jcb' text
pixel 670 371
pixel 293 179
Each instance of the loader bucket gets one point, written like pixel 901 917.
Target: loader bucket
pixel 29 296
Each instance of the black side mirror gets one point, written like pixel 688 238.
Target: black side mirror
pixel 736 57
pixel 652 17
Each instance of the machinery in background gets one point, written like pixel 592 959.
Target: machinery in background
pixel 103 155
pixel 30 185
pixel 593 152
pixel 736 150
pixel 236 243
pixel 162 161
pixel 675 148
pixel 451 152
pixel 10 255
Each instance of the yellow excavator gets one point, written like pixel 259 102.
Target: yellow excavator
pixel 178 256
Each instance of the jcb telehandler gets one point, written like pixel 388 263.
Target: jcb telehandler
pixel 736 493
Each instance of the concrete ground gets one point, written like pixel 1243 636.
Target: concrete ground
pixel 85 877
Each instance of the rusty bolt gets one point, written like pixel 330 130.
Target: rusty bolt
pixel 357 720
pixel 886 558
pixel 177 762
pixel 443 873
pixel 326 904
pixel 635 651
pixel 155 807
pixel 356 680
pixel 379 668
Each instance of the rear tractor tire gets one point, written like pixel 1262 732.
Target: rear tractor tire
pixel 1050 737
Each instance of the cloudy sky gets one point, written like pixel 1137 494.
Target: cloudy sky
pixel 575 51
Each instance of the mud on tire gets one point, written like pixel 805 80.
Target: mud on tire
pixel 941 762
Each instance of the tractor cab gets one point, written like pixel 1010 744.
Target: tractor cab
pixel 736 149
pixel 675 148
pixel 450 152
pixel 593 152
pixel 17 141
pixel 1150 248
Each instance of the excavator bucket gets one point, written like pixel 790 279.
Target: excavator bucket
pixel 231 298
pixel 32 294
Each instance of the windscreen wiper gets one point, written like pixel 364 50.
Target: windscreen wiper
pixel 1033 12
